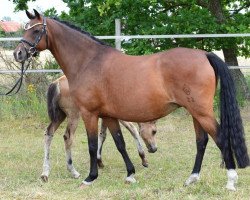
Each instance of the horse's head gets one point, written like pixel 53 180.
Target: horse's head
pixel 35 38
pixel 147 132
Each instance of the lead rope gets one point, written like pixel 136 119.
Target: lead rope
pixel 19 82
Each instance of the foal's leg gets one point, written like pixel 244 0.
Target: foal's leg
pixel 49 133
pixel 114 128
pixel 101 138
pixel 201 143
pixel 134 132
pixel 68 141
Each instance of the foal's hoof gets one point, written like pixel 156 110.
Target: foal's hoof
pixel 145 163
pixel 44 178
pixel 230 187
pixel 130 179
pixel 76 175
pixel 193 178
pixel 100 164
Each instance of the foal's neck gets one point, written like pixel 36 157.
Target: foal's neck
pixel 72 49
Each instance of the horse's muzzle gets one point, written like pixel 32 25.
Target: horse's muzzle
pixel 20 56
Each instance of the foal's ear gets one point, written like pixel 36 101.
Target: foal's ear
pixel 36 14
pixel 29 15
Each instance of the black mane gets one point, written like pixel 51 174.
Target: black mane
pixel 80 30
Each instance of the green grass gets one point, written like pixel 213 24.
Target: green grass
pixel 21 147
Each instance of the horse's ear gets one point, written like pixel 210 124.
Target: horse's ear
pixel 36 14
pixel 29 15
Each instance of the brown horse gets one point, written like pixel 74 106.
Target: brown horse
pixel 106 83
pixel 60 106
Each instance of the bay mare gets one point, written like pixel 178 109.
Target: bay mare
pixel 60 107
pixel 106 83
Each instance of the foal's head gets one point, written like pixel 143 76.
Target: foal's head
pixel 35 38
pixel 147 132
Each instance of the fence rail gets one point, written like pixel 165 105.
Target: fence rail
pixel 118 38
pixel 128 37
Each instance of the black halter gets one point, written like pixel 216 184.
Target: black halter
pixel 32 51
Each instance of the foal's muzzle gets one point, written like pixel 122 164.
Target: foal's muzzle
pixel 152 148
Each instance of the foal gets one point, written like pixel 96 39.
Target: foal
pixel 60 106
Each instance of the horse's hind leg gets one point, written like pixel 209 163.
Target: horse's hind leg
pixel 68 141
pixel 114 127
pixel 211 126
pixel 134 132
pixel 201 143
pixel 101 138
pixel 47 142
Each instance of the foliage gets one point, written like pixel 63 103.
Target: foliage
pixel 161 17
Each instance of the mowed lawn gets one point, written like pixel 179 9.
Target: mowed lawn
pixel 21 148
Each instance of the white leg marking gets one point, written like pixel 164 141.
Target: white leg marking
pixel 87 183
pixel 130 179
pixel 193 178
pixel 46 162
pixel 232 179
pixel 70 167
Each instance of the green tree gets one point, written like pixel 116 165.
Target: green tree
pixel 169 17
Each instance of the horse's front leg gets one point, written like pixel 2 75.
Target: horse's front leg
pixel 114 128
pixel 91 125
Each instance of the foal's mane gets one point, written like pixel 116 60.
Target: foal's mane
pixel 72 26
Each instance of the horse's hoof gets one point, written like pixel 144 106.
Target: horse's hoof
pixel 44 178
pixel 193 178
pixel 85 184
pixel 130 179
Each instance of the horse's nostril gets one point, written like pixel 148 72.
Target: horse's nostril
pixel 19 53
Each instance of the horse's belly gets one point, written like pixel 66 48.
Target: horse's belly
pixel 142 112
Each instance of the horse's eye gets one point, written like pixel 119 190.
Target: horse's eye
pixel 36 31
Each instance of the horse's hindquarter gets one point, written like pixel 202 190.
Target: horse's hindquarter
pixel 142 88
pixel 190 77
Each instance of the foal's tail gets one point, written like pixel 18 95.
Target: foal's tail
pixel 231 134
pixel 55 113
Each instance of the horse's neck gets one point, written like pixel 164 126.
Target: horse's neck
pixel 70 48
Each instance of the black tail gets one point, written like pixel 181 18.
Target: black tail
pixel 231 134
pixel 55 113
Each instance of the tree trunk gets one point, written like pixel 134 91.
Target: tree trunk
pixel 239 79
pixel 230 54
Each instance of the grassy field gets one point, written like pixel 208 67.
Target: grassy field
pixel 21 147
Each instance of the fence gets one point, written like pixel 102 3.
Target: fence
pixel 118 38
